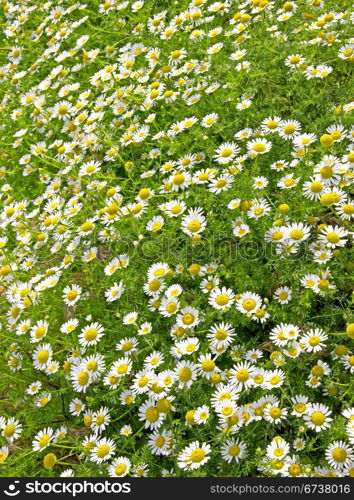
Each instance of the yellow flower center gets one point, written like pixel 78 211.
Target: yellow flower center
pixel 339 455
pixel 120 469
pixel 222 299
pixel 316 187
pixel 249 304
pixel 43 356
pixel 171 307
pixel 225 153
pixel 40 332
pixel 221 334
pixel 296 234
pixel 152 414
pixel 329 199
pixel 91 334
pixel 259 147
pixel 143 381
pixel 317 371
pixel 194 226
pixel 103 450
pixel 83 378
pixel 318 418
pixel 242 375
pixel 348 209
pixel 326 172
pixel 163 405
pixel 234 450
pixel 315 340
pixel 62 110
pixel 176 209
pixel 197 455
pixel 289 129
pixel 176 54
pixel 208 365
pixel 160 441
pixel 122 369
pixel 86 227
pixel 227 411
pixel 294 470
pixel 9 430
pixel 220 183
pixel 272 124
pixel 178 179
pixel 277 235
pixel 332 237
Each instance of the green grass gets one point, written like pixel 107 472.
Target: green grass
pixel 246 264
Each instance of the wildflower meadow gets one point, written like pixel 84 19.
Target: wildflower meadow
pixel 176 229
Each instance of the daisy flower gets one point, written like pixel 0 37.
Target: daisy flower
pixel 103 450
pixel 114 292
pixel 278 449
pixel 201 414
pixel 155 224
pixel 221 335
pixel 334 236
pixel 91 334
pixel 39 331
pixel 81 379
pixel 314 340
pixel 298 232
pixel 339 455
pixel 274 414
pixel 258 146
pixel 11 429
pixel 226 152
pixel 289 129
pixel 233 450
pixel 42 439
pixel 209 120
pixel 100 420
pixel 283 294
pixel 194 222
pixel 242 373
pixel 317 417
pixel 221 183
pixel 34 388
pixel 150 415
pixel 71 294
pixel 248 302
pixel 186 372
pixel 69 326
pixel 300 405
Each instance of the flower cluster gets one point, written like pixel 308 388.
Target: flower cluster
pixel 176 221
